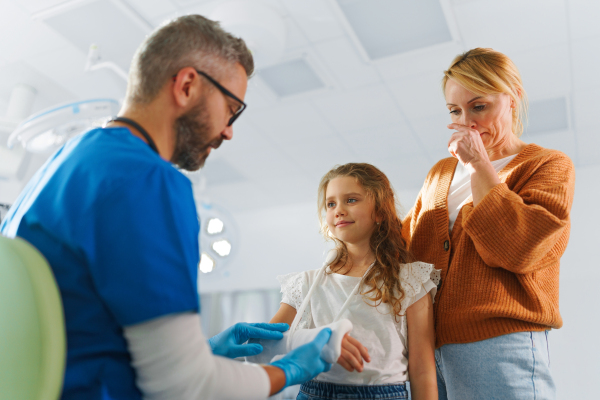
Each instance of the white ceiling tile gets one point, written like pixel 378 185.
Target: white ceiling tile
pixel 583 18
pixel 24 37
pixel 404 172
pixel 359 108
pixel 427 61
pixel 586 62
pixel 49 92
pixel 434 134
pixel 586 103
pixel 85 25
pixel 317 156
pixel 315 18
pixel 545 71
pixel 33 6
pixel 285 123
pixel 250 153
pixel 294 36
pixel 383 142
pixel 419 95
pixel 512 25
pixel 162 19
pixel 345 64
pixel 588 146
pixel 151 9
pixel 564 141
pixel 65 67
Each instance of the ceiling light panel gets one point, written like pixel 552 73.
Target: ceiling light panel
pixel 546 116
pixel 85 23
pixel 388 27
pixel 291 78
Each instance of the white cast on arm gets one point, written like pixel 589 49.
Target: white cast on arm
pixel 173 360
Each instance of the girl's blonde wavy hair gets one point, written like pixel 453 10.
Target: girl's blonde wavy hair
pixel 387 244
pixel 486 71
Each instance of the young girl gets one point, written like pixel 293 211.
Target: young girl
pixel 371 280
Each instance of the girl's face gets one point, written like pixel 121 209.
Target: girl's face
pixel 350 210
pixel 490 115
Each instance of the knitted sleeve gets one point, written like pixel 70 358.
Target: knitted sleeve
pixel 524 230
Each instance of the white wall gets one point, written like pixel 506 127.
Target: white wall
pixel 575 347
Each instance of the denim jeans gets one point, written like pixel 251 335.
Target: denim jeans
pixel 513 366
pixel 316 390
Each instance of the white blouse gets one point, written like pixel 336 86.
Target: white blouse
pixel 374 327
pixel 460 188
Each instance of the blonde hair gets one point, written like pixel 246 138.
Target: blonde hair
pixel 486 71
pixel 386 243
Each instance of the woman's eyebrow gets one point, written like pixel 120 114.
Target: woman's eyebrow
pixel 469 102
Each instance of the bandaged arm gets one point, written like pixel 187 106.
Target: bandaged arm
pixel 173 360
pixel 275 349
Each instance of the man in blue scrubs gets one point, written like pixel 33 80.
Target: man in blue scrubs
pixel 118 225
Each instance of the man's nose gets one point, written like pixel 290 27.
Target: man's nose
pixel 227 133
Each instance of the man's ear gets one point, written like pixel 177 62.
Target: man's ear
pixel 185 86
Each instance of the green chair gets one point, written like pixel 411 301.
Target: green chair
pixel 32 327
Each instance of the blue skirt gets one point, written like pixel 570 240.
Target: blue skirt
pixel 316 390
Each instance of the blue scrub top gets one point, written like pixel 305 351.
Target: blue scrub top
pixel 119 228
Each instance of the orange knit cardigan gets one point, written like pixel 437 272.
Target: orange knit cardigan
pixel 500 263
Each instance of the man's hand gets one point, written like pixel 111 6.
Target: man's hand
pixel 305 362
pixel 353 354
pixel 230 342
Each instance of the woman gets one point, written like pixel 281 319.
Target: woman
pixel 494 218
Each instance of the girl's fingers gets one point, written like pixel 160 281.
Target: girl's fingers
pixel 352 360
pixel 351 348
pixel 345 364
pixel 362 349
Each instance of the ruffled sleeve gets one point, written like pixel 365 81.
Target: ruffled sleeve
pixel 417 279
pixel 294 287
pixel 291 289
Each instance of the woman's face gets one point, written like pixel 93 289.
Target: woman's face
pixel 490 115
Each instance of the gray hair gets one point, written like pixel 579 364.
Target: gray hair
pixel 187 41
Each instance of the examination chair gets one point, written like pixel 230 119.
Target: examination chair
pixel 32 327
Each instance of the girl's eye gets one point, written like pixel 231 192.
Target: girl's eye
pixel 351 200
pixel 331 204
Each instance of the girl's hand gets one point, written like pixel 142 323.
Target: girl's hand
pixel 353 354
pixel 466 145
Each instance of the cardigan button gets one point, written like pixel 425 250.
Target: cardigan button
pixel 446 245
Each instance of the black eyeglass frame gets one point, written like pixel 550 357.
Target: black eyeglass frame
pixel 226 92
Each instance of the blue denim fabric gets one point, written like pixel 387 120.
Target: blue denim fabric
pixel 513 366
pixel 316 390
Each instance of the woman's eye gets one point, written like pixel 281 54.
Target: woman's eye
pixel 455 112
pixel 479 108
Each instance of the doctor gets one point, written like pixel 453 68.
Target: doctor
pixel 118 226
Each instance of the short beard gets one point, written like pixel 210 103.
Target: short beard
pixel 192 145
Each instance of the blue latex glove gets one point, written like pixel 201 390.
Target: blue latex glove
pixel 305 362
pixel 230 342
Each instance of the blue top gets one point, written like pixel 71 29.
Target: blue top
pixel 119 228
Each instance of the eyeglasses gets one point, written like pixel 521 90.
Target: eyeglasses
pixel 226 93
